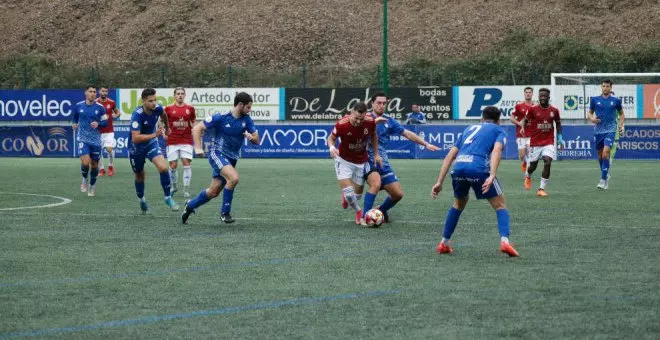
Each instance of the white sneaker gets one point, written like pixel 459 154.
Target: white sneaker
pixel 602 184
pixel 186 194
pixel 606 185
pixel 90 192
pixel 83 186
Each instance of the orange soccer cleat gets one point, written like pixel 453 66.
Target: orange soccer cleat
pixel 528 183
pixel 507 248
pixel 541 193
pixel 111 171
pixel 444 248
pixel 101 172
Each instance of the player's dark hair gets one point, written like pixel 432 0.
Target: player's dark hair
pixel 378 94
pixel 607 81
pixel 492 113
pixel 544 89
pixel 90 86
pixel 360 107
pixel 179 88
pixel 103 87
pixel 242 97
pixel 148 92
pixel 528 88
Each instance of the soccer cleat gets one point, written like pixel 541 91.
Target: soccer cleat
pixel 607 184
pixel 102 172
pixel 541 193
pixel 386 216
pixel 90 191
pixel 186 194
pixel 144 206
pixel 523 165
pixel 528 183
pixel 83 186
pixel 186 213
pixel 363 222
pixel 344 202
pixel 601 184
pixel 507 248
pixel 444 248
pixel 111 170
pixel 226 217
pixel 171 203
pixel 358 217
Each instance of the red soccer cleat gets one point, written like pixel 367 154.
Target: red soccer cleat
pixel 358 217
pixel 506 248
pixel 444 249
pixel 102 172
pixel 111 171
pixel 528 183
pixel 344 202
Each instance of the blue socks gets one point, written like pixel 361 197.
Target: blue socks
pixel 369 199
pixel 227 197
pixel 165 182
pixel 139 189
pixel 604 168
pixel 199 200
pixel 93 174
pixel 84 171
pixel 503 222
pixel 387 204
pixel 451 221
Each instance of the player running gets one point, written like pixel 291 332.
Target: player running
pixel 477 153
pixel 108 132
pixel 539 124
pixel 88 117
pixel 354 131
pixel 230 129
pixel 143 144
pixel 517 115
pixel 181 118
pixel 603 112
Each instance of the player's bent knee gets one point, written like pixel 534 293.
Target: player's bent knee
pixel 460 203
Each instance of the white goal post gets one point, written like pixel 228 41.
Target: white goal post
pixel 571 92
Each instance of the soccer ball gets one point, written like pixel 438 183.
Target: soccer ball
pixel 374 218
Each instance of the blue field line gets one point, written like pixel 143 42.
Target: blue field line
pixel 187 315
pixel 166 272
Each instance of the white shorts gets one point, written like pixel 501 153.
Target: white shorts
pixel 536 152
pixel 183 151
pixel 522 142
pixel 352 171
pixel 108 140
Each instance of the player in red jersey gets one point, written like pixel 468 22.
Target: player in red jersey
pixel 351 160
pixel 539 124
pixel 108 132
pixel 517 115
pixel 181 118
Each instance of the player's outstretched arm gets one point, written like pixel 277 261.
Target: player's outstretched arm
pixel 418 140
pixel 197 132
pixel 446 164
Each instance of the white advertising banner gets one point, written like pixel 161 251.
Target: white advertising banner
pixel 573 100
pixel 207 101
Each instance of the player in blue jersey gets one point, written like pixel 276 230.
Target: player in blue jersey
pixel 386 126
pixel 477 152
pixel 143 145
pixel 603 111
pixel 88 117
pixel 229 131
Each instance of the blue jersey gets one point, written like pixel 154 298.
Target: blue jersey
pixel 606 110
pixel 391 127
pixel 83 115
pixel 416 118
pixel 475 145
pixel 146 124
pixel 228 132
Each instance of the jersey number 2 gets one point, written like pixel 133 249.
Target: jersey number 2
pixel 474 129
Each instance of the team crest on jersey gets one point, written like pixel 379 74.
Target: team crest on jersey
pixel 107 106
pixel 208 119
pixel 552 115
pixel 349 133
pixel 243 125
pixel 366 131
pixel 135 125
pixel 81 111
pixel 187 112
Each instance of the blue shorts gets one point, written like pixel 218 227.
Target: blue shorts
pixel 93 151
pixel 219 161
pixel 604 139
pixel 387 174
pixel 463 180
pixel 138 157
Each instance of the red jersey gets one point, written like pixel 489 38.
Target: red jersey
pixel 354 139
pixel 519 112
pixel 539 125
pixel 110 106
pixel 181 120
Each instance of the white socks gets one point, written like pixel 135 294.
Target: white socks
pixel 187 174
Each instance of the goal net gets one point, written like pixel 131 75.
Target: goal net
pixel 571 92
